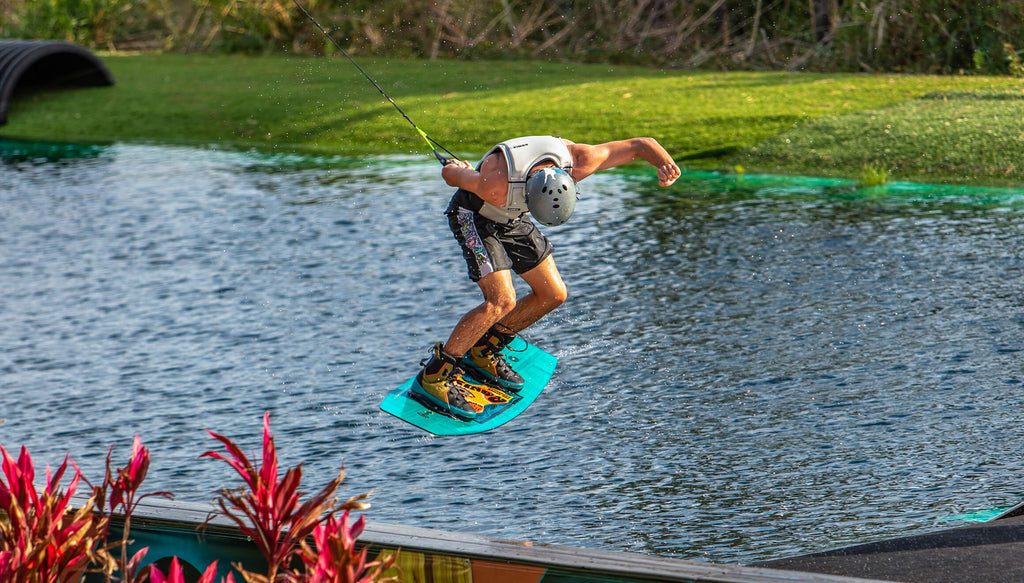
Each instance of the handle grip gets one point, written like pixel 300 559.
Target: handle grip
pixel 444 161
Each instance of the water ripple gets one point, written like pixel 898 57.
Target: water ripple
pixel 749 367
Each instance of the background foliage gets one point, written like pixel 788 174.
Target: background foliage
pixel 920 36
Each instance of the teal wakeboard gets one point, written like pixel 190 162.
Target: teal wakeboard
pixel 494 406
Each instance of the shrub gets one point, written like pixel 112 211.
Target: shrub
pixel 44 540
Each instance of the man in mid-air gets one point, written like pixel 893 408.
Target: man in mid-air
pixel 490 218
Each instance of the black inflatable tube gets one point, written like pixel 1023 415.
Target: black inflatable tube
pixel 45 64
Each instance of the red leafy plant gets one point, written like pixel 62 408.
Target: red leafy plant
pixel 335 559
pixel 119 493
pixel 268 510
pixel 43 539
pixel 176 575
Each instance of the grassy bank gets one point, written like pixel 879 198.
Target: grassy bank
pixel 916 127
pixel 974 136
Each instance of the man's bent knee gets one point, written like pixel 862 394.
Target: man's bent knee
pixel 499 295
pixel 500 306
pixel 555 296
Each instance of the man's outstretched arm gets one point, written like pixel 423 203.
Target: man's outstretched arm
pixel 590 159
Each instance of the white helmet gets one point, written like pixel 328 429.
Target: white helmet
pixel 551 195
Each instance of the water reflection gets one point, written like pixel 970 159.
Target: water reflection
pixel 750 367
pixel 17 152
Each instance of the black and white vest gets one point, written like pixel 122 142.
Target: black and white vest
pixel 522 154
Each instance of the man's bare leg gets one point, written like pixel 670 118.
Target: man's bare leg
pixel 485 330
pixel 547 293
pixel 499 301
pixel 500 306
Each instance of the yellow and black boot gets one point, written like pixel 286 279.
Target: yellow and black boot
pixel 438 383
pixel 486 362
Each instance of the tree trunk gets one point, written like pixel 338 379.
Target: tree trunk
pixel 723 23
pixel 823 18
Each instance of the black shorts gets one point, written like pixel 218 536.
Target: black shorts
pixel 488 246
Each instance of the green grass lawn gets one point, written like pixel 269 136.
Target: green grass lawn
pixel 961 136
pixel 940 128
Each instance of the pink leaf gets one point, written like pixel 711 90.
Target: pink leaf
pixel 137 558
pixel 210 573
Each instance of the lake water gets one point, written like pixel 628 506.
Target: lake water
pixel 750 367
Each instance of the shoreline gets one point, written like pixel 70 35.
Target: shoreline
pixel 931 129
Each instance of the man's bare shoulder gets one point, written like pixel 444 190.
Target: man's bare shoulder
pixel 491 179
pixel 494 168
pixel 583 157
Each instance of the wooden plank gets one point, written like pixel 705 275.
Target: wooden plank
pixel 494 553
